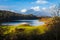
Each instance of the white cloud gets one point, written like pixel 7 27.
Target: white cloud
pixel 52 6
pixel 23 10
pixel 37 8
pixel 44 8
pixel 52 9
pixel 41 2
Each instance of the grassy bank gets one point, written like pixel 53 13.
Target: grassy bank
pixel 27 29
pixel 12 32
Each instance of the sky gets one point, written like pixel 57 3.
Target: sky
pixel 24 5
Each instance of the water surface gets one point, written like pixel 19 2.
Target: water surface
pixel 31 22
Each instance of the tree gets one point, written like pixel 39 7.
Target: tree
pixel 55 10
pixel 58 12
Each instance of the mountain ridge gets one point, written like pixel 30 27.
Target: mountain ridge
pixel 37 13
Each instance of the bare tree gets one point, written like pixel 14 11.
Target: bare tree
pixel 55 10
pixel 58 11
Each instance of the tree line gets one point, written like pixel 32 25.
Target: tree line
pixel 9 16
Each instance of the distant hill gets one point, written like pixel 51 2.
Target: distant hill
pixel 37 13
pixel 9 16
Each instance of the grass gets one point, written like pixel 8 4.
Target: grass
pixel 27 32
pixel 27 29
pixel 21 31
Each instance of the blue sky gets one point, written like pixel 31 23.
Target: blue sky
pixel 17 5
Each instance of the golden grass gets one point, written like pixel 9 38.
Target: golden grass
pixel 27 29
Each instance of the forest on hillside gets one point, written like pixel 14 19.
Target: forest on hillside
pixel 9 16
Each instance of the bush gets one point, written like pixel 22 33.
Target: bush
pixel 54 29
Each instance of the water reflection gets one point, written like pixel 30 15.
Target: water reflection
pixel 31 22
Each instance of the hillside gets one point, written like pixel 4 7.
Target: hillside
pixel 9 16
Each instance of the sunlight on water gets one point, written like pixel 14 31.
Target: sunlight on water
pixel 36 23
pixel 30 22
